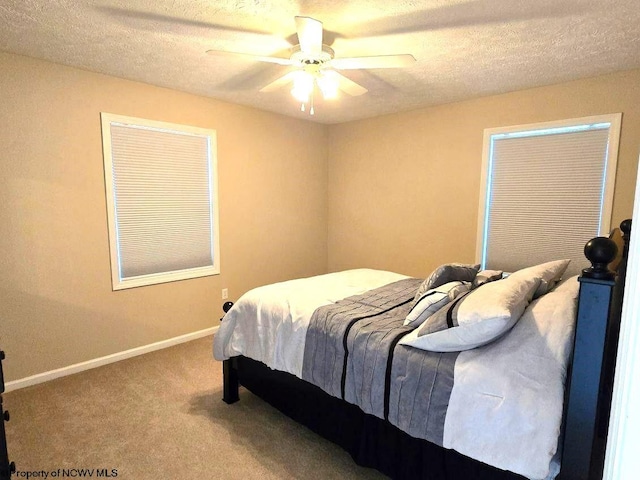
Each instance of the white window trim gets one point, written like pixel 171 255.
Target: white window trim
pixel 142 280
pixel 615 119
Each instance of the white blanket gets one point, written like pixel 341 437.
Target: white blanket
pixel 516 387
pixel 269 323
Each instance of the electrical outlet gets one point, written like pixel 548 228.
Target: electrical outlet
pixel 225 293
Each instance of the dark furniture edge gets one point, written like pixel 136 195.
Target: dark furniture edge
pixel 6 467
pixel 590 380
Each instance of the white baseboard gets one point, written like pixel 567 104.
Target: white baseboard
pixel 98 362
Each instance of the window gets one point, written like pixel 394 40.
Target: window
pixel 162 207
pixel 546 189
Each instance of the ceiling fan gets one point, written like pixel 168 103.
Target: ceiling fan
pixel 315 65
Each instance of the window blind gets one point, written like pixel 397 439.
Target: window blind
pixel 544 196
pixel 163 203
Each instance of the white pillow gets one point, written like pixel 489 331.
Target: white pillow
pixel 475 318
pixel 432 300
pixel 549 273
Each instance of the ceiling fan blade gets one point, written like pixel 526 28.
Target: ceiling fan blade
pixel 309 35
pixel 249 56
pixel 280 82
pixel 346 85
pixel 378 61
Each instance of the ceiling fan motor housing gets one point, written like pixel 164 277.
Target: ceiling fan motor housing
pixel 305 59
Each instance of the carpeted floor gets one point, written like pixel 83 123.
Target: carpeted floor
pixel 160 416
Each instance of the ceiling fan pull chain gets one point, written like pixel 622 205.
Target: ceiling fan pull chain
pixel 311 109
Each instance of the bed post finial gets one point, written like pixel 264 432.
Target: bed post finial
pixel 600 251
pixel 226 307
pixel 625 226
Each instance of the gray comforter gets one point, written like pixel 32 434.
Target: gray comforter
pixel 351 352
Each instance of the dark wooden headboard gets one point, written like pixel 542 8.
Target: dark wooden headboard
pixel 590 383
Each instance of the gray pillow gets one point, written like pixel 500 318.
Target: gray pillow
pixel 486 276
pixel 449 272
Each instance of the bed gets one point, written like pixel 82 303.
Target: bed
pixel 460 375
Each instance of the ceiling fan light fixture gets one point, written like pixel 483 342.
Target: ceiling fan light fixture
pixel 328 85
pixel 302 86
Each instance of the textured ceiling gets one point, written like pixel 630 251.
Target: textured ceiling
pixel 464 48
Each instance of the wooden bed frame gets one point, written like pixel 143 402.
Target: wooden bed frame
pixel 375 443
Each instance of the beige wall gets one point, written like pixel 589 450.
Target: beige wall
pixel 378 187
pixel 404 188
pixel 56 303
